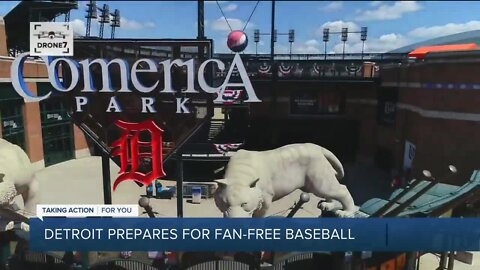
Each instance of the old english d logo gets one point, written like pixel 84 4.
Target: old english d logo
pixel 129 148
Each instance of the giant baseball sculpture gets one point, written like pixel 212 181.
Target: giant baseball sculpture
pixel 253 180
pixel 17 177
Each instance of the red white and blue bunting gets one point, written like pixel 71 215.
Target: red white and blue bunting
pixel 284 70
pixel 231 96
pixel 264 69
pixel 227 147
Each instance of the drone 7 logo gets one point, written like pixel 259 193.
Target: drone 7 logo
pixel 51 39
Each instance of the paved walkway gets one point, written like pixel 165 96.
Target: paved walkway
pixel 80 181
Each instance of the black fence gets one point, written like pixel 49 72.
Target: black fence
pixel 37 261
pixel 124 264
pixel 291 261
pixel 221 265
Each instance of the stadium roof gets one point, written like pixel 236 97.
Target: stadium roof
pixel 423 51
pixel 460 38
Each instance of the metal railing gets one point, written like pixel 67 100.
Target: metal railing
pixel 298 261
pixel 221 265
pixel 123 264
pixel 36 261
pixel 313 70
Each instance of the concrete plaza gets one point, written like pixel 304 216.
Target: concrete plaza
pixel 80 182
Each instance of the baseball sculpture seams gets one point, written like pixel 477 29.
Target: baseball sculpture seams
pixel 253 180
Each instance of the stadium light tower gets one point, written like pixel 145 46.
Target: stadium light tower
pixel 91 14
pixel 326 37
pixel 67 14
pixel 344 36
pixel 104 18
pixel 291 39
pixel 363 37
pixel 115 22
pixel 344 40
pixel 274 38
pixel 256 39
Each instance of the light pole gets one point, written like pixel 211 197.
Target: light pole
pixel 256 39
pixel 326 36
pixel 201 19
pixel 274 91
pixel 291 39
pixel 344 37
pixel 344 40
pixel 257 34
pixel 115 22
pixel 91 14
pixel 363 38
pixel 273 38
pixel 104 18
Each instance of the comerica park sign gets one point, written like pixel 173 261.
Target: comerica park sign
pixel 129 80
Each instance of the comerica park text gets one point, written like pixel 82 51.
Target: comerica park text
pixel 82 69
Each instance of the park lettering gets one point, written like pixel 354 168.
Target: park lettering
pixel 130 74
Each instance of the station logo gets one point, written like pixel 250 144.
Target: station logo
pixel 51 38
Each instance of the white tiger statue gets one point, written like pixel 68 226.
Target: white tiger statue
pixel 17 177
pixel 253 180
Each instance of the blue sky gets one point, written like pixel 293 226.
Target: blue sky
pixel 391 24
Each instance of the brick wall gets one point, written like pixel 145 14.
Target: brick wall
pixel 33 129
pixel 31 112
pixel 359 107
pixel 441 120
pixel 3 41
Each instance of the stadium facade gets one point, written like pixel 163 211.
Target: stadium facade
pixel 436 112
pixel 43 129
